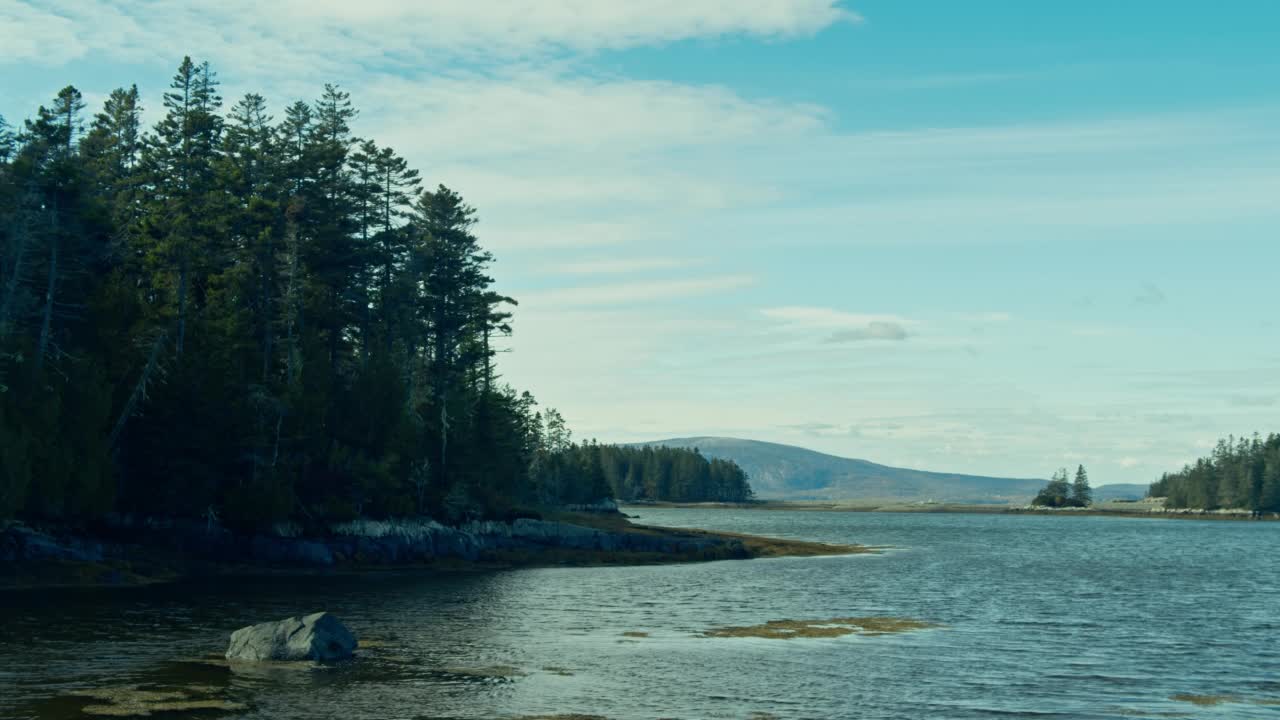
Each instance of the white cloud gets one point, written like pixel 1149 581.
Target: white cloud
pixel 28 34
pixel 617 266
pixel 829 318
pixel 581 171
pixel 876 330
pixel 622 293
pixel 544 113
pixel 388 31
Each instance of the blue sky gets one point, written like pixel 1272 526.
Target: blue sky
pixel 988 237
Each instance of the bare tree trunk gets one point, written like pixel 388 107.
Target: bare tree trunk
pixel 139 390
pixel 442 389
pixel 275 451
pixel 51 289
pixel 444 433
pixel 291 300
pixel 268 259
pixel 488 366
pixel 411 366
pixel 11 285
pixel 182 301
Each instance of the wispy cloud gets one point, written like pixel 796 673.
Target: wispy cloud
pixel 988 317
pixel 1149 295
pixel 378 32
pixel 1253 401
pixel 840 326
pixel 877 330
pixel 828 318
pixel 617 266
pixel 621 293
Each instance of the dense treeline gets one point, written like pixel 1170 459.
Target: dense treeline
pixel 1243 473
pixel 1061 491
pixel 240 317
pixel 673 475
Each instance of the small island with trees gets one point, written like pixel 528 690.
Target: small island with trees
pixel 1062 492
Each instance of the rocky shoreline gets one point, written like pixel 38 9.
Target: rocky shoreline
pixel 158 551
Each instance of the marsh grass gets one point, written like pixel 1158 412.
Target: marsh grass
pixel 835 627
pixel 635 634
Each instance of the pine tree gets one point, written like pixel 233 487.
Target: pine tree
pixel 452 265
pixel 1057 493
pixel 113 149
pixel 180 159
pixel 1081 493
pixel 53 142
pixel 8 143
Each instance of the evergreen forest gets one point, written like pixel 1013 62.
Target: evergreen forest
pixel 248 315
pixel 1241 473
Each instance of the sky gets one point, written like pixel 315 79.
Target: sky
pixel 993 237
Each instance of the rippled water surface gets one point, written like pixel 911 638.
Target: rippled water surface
pixel 1068 617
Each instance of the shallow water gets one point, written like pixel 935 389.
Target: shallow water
pixel 1068 617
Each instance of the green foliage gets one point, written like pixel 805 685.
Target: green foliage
pixel 673 475
pixel 228 317
pixel 1062 492
pixel 1243 473
pixel 1081 492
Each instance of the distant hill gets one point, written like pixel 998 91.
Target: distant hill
pixel 793 473
pixel 1120 491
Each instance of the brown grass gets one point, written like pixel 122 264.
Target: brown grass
pixel 146 709
pixel 835 627
pixel 132 701
pixel 762 547
pixel 635 634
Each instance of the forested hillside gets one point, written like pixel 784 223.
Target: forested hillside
pixel 247 316
pixel 1243 473
pixel 674 475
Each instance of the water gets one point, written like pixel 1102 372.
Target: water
pixel 1067 617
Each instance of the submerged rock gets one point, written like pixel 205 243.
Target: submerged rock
pixel 319 637
pixel 835 627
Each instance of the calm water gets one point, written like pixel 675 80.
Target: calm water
pixel 1045 617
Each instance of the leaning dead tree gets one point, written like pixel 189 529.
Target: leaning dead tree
pixel 140 389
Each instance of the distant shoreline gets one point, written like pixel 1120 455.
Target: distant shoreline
pixel 1109 509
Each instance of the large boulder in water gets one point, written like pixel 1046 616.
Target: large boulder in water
pixel 314 637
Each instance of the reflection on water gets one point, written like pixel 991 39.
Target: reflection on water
pixel 1038 616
